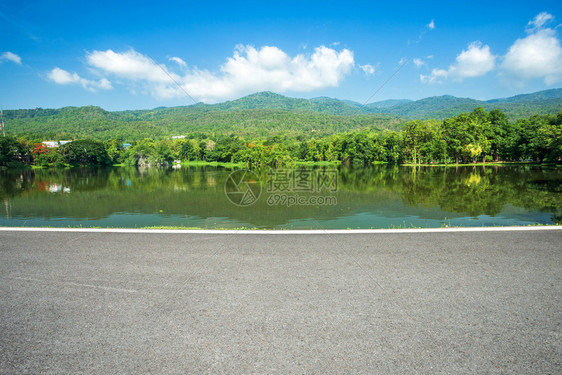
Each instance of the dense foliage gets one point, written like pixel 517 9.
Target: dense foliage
pixel 477 136
pixel 74 123
pixel 261 115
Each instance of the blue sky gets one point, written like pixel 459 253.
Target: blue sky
pixel 127 55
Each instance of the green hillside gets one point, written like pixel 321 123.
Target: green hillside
pixel 540 95
pixel 72 122
pixel 263 114
pixel 441 107
pixel 270 100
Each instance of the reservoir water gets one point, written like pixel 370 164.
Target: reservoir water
pixel 302 198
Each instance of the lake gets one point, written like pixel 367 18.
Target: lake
pixel 305 198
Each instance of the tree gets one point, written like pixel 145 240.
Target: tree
pixel 11 152
pixel 457 135
pixel 532 142
pixel 421 140
pixel 189 150
pixel 149 153
pixel 84 152
pixel 498 133
pixel 114 150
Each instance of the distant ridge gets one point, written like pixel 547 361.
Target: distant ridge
pixel 441 107
pixel 438 107
pixel 270 100
pixel 539 95
pixel 264 114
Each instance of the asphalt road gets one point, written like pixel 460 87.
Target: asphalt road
pixel 428 303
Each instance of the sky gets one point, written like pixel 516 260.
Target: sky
pixel 139 55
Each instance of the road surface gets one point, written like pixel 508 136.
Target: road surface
pixel 419 303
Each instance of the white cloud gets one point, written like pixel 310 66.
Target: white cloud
pixel 431 25
pixel 539 21
pixel 247 71
pixel 62 77
pixel 476 61
pixel 418 62
pixel 10 57
pixel 179 61
pixel 129 65
pixel 367 69
pixel 269 68
pixel 538 55
pixel 436 76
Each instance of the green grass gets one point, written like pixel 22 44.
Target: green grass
pixel 318 163
pixel 211 163
pixel 488 164
pixel 166 227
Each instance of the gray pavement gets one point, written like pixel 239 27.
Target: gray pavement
pixel 427 303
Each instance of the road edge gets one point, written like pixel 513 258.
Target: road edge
pixel 288 231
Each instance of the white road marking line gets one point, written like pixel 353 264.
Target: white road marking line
pixel 288 231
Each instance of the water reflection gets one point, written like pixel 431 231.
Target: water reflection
pixel 380 196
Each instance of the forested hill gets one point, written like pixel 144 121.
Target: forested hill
pixel 94 122
pixel 442 107
pixel 270 100
pixel 539 95
pixel 262 114
pixel 437 107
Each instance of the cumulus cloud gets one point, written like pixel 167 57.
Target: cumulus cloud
pixel 62 77
pixel 538 55
pixel 269 68
pixel 475 61
pixel 249 69
pixel 10 57
pixel 129 65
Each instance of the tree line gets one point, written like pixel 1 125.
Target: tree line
pixel 477 136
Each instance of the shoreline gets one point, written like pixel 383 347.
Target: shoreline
pixel 286 231
pixel 298 163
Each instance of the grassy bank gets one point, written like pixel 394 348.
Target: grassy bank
pixel 488 164
pixel 210 163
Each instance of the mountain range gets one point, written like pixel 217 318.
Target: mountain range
pixel 263 114
pixel 437 107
